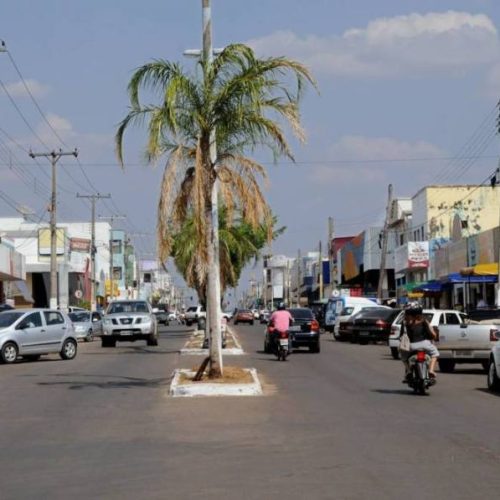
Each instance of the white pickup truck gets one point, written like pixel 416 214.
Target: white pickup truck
pixel 460 340
pixel 467 342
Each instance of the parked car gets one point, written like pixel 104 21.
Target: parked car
pixel 129 320
pixel 30 333
pixel 194 313
pixel 338 304
pixel 228 315
pixel 435 317
pixel 244 316
pixel 76 309
pixel 255 313
pixel 86 324
pixel 494 367
pixel 5 307
pixel 304 332
pixel 373 324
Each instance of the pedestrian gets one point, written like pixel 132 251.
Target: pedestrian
pixel 481 303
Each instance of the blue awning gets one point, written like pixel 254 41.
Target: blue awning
pixel 430 286
pixel 460 278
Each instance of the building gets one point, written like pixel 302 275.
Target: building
pixel 12 274
pixel 277 285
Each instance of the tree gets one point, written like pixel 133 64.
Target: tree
pixel 239 102
pixel 239 241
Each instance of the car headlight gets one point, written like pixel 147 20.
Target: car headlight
pixel 107 321
pixel 145 319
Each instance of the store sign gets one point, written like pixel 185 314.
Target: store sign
pixel 418 254
pixel 79 245
pixel 44 241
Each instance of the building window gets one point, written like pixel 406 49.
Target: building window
pixel 402 239
pixel 147 278
pixel 117 246
pixel 117 273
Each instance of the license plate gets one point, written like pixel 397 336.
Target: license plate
pixel 124 332
pixel 462 353
pixel 284 342
pixel 295 329
pixel 364 333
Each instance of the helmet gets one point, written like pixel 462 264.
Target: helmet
pixel 413 309
pixel 281 306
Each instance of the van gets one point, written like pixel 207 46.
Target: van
pixel 341 308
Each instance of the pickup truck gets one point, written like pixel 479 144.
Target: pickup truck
pixel 467 342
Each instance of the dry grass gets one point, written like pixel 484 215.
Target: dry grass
pixel 196 342
pixel 232 375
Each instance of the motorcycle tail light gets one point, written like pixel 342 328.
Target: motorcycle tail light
pixel 493 335
pixel 314 325
pixel 284 335
pixel 270 329
pixel 421 356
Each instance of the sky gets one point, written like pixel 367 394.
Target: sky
pixel 407 95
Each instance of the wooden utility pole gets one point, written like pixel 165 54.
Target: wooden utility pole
pixel 111 218
pixel 54 157
pixel 299 277
pixel 320 270
pixel 330 251
pixel 93 247
pixel 385 232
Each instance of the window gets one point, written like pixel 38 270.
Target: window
pixel 452 319
pixel 402 239
pixel 147 278
pixel 463 318
pixel 53 318
pixel 117 273
pixel 33 320
pixel 96 316
pixel 441 319
pixel 117 246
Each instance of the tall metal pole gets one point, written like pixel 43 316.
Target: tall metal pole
pixel 382 272
pixel 320 270
pixel 93 247
pixel 54 157
pixel 330 251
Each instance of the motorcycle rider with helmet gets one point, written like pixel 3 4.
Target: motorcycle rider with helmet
pixel 421 335
pixel 281 319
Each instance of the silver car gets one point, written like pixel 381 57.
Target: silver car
pixel 32 332
pixel 86 324
pixel 128 321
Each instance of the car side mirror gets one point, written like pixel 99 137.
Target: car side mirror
pixel 497 335
pixel 463 325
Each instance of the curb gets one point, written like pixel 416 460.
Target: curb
pixel 212 389
pixel 233 351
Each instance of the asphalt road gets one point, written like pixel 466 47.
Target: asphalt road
pixel 336 425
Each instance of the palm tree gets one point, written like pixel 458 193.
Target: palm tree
pixel 239 102
pixel 240 242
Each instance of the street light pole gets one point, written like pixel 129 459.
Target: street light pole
pixel 54 157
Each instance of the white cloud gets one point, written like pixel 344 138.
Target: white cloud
pixel 372 159
pixel 17 89
pixel 401 45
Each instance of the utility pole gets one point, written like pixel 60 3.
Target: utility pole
pixel 299 277
pixel 320 271
pixel 54 157
pixel 93 247
pixel 111 218
pixel 330 251
pixel 382 271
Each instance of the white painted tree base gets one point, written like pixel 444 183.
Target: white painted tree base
pixel 233 351
pixel 210 389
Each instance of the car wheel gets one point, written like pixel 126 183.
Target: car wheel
pixel 152 340
pixel 108 342
pixel 493 380
pixel 89 337
pixel 9 352
pixel 251 322
pixel 395 352
pixel 363 342
pixel 315 348
pixel 446 365
pixel 235 322
pixel 486 365
pixel 32 357
pixel 69 349
pixel 188 323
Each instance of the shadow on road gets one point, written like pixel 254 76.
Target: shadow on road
pixel 487 391
pixel 397 392
pixel 130 350
pixel 121 383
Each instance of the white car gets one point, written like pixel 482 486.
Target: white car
pixel 494 367
pixel 194 313
pixel 435 317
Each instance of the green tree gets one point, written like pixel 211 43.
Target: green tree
pixel 240 101
pixel 239 241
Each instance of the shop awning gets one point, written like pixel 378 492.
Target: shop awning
pixel 22 289
pixel 471 278
pixel 429 287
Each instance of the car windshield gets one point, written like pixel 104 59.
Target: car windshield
pixel 244 311
pixel 347 311
pixel 127 307
pixel 79 317
pixel 301 313
pixel 8 318
pixel 191 309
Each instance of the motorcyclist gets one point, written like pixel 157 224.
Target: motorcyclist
pixel 421 335
pixel 281 320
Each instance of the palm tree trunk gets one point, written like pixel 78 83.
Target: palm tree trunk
pixel 213 289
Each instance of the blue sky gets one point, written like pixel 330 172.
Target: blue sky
pixel 398 80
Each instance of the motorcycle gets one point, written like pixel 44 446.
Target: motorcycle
pixel 418 377
pixel 281 347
